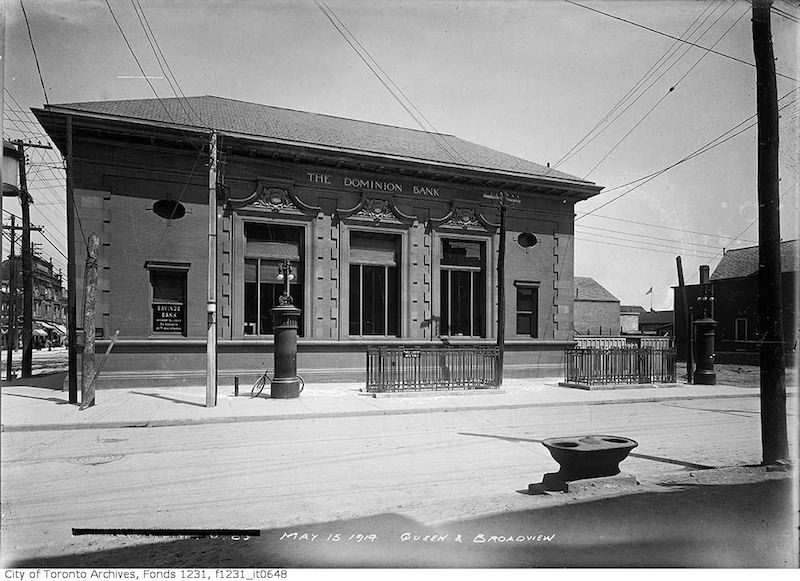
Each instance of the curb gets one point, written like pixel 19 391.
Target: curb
pixel 351 414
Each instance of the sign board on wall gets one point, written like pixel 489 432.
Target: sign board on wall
pixel 169 318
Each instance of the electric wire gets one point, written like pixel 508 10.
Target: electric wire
pixel 667 94
pixel 669 228
pixel 654 68
pixel 707 147
pixel 152 88
pixel 151 39
pixel 33 48
pixel 722 54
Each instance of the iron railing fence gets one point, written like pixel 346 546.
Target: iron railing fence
pixel 599 366
pixel 431 367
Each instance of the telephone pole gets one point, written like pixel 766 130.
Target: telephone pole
pixel 774 439
pixel 211 304
pixel 12 298
pixel 12 308
pixel 25 202
pixel 503 199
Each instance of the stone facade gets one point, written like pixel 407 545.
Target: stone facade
pixel 327 199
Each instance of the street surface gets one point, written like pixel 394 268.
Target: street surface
pixel 369 480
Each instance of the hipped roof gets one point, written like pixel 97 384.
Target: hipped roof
pixel 303 128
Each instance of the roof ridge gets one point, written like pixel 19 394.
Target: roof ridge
pixel 329 116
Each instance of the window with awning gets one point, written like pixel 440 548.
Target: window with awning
pixel 266 247
pixel 374 284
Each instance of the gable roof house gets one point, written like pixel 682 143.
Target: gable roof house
pixel 597 311
pixel 392 233
pixel 734 284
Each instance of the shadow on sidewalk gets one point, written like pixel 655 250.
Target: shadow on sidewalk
pixel 54 380
pixel 737 525
pixel 172 399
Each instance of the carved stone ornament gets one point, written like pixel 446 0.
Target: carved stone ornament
pixel 376 210
pixel 275 199
pixel 464 218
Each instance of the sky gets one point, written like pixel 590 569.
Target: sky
pixel 529 78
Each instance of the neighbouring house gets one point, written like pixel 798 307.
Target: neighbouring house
pixel 734 284
pixel 597 311
pixel 392 233
pixel 630 318
pixel 656 323
pixel 49 300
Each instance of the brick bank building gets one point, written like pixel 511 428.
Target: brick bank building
pixel 392 233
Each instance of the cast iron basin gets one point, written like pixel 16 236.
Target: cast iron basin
pixel 591 456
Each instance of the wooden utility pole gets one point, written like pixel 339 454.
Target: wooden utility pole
pixel 90 300
pixel 687 321
pixel 72 334
pixel 27 267
pixel 774 439
pixel 501 292
pixel 503 199
pixel 211 341
pixel 12 300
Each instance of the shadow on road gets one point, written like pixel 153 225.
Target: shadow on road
pixel 741 525
pixel 632 454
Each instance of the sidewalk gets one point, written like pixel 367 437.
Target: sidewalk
pixel 29 408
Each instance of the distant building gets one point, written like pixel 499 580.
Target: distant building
pixel 597 311
pixel 630 318
pixel 656 323
pixel 49 300
pixel 735 288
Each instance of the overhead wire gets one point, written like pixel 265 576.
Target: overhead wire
pixel 639 84
pixel 753 223
pixel 667 227
pixel 33 48
pixel 667 94
pixel 183 102
pixel 707 147
pixel 659 32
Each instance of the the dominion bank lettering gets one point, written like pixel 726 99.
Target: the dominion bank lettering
pixel 369 184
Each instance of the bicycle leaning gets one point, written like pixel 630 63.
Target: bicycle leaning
pixel 258 386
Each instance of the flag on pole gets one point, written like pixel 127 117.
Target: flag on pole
pixel 649 292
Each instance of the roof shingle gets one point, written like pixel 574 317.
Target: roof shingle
pixel 743 262
pixel 588 289
pixel 300 127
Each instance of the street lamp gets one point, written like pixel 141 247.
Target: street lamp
pixel 285 273
pixel 285 321
pixel 705 374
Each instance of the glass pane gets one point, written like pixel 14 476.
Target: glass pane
pixel 478 305
pixel 168 287
pixel 523 324
pixel 374 300
pixel 462 253
pixel 268 299
pixel 525 299
pixel 272 233
pixel 461 302
pixel 250 308
pixel 393 303
pixel 444 296
pixel 355 303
